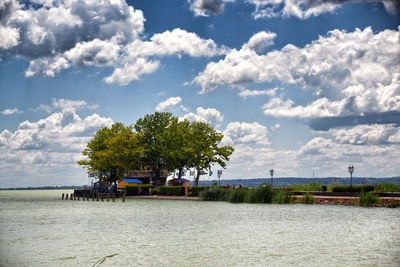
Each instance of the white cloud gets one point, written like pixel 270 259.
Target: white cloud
pixel 56 35
pixel 169 104
pixel 367 134
pixel 206 115
pixel 245 93
pixel 305 9
pixel 50 146
pixel 245 133
pixel 11 111
pixel 349 73
pixel 260 41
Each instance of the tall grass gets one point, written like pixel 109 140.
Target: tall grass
pixel 263 194
pixel 389 187
pixel 308 199
pixel 368 199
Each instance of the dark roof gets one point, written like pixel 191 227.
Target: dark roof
pixel 132 181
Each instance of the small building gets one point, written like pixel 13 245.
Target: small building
pixel 147 176
pixel 124 182
pixel 178 182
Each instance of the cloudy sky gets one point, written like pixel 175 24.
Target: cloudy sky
pixel 299 86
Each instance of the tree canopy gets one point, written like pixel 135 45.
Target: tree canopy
pixel 160 142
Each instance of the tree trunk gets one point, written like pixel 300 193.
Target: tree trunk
pixel 197 177
pixel 180 172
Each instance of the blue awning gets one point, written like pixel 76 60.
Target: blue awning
pixel 132 181
pixel 183 180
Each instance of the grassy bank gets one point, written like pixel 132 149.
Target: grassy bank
pixel 263 194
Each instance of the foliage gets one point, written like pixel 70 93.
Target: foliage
pixel 389 187
pixel 264 194
pixel 113 150
pixel 367 199
pixel 281 197
pixel 357 188
pixel 133 190
pixel 161 143
pixel 154 191
pixel 172 190
pixel 308 199
pixel 313 187
pixel 393 204
pixel 205 140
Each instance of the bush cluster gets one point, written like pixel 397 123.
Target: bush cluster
pixel 263 194
pixel 172 190
pixel 308 199
pixel 313 187
pixel 133 190
pixel 357 188
pixel 368 199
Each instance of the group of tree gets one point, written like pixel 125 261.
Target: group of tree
pixel 160 142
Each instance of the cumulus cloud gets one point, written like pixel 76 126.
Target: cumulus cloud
pixel 169 104
pixel 207 115
pixel 56 35
pixel 245 133
pixel 305 9
pixel 260 41
pixel 367 134
pixel 205 7
pixel 49 146
pixel 11 111
pixel 349 73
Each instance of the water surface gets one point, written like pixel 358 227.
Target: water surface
pixel 37 228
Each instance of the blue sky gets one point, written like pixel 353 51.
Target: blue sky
pixel 299 86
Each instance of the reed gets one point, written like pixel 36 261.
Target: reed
pixel 367 199
pixel 308 199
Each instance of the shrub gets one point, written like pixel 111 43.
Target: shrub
pixel 357 188
pixel 393 204
pixel 308 199
pixel 368 199
pixel 389 187
pixel 154 191
pixel 133 190
pixel 172 190
pixel 307 187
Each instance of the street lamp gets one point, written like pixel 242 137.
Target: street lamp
pixel 271 171
pixel 219 176
pixel 351 170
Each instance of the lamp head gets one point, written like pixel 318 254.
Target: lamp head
pixel 271 171
pixel 351 168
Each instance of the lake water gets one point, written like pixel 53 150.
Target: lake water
pixel 37 228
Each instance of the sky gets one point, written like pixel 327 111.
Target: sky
pixel 304 87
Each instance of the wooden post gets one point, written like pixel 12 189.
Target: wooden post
pixel 74 196
pixel 123 197
pixel 66 196
pixel 78 197
pixel 83 197
pixel 113 197
pixel 97 197
pixel 92 197
pixel 108 197
pixel 102 197
pixel 71 197
pixel 62 197
pixel 87 197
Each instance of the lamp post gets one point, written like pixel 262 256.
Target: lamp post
pixel 219 176
pixel 271 171
pixel 351 170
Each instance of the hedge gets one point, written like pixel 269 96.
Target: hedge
pixel 357 188
pixel 172 190
pixel 133 190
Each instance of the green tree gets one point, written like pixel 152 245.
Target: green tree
pixel 113 150
pixel 156 139
pixel 206 152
